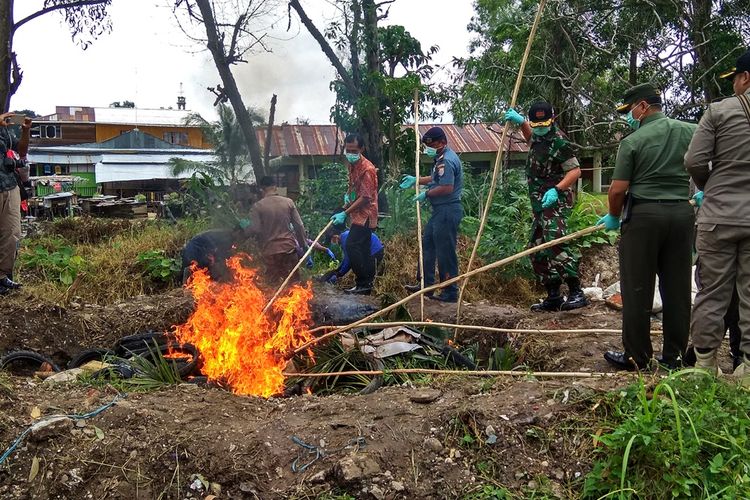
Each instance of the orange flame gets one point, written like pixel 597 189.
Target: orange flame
pixel 238 344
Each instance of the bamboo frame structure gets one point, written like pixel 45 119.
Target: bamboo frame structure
pixel 419 208
pixel 496 172
pixel 493 265
pixel 303 259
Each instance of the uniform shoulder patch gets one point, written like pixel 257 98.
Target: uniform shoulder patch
pixel 440 169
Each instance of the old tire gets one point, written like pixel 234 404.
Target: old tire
pixel 89 355
pixel 28 357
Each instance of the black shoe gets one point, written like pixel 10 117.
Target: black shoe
pixel 9 283
pixel 552 303
pixel 416 288
pixel 452 299
pixel 619 360
pixel 576 297
pixel 669 364
pixel 359 290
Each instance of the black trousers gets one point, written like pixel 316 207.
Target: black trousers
pixel 358 250
pixel 658 239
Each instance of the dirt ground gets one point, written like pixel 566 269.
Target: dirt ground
pixel 453 438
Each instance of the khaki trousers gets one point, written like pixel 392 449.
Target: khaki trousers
pixel 10 230
pixel 724 262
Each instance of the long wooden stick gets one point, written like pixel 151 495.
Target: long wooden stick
pixel 419 209
pixel 481 373
pixel 494 265
pixel 496 172
pixel 303 259
pixel 477 327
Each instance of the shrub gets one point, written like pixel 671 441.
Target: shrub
pixel 158 266
pixel 60 264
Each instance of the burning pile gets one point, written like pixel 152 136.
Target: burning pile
pixel 239 344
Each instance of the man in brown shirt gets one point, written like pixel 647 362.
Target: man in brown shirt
pixel 361 205
pixel 718 160
pixel 273 219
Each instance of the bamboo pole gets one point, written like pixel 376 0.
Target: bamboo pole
pixel 481 373
pixel 477 327
pixel 496 172
pixel 303 259
pixel 419 208
pixel 493 265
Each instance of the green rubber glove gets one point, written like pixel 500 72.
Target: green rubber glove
pixel 550 198
pixel 611 223
pixel 408 182
pixel 514 117
pixel 339 218
pixel 420 197
pixel 350 197
pixel 698 198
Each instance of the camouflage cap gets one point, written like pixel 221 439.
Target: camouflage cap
pixel 742 65
pixel 643 92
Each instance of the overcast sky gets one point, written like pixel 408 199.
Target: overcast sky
pixel 146 57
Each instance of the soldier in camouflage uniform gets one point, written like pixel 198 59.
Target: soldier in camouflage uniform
pixel 551 170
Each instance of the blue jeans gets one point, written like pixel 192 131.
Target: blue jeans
pixel 439 245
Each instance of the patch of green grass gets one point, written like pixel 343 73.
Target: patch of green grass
pixel 107 269
pixel 688 436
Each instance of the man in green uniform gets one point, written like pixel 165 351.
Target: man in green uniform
pixel 651 183
pixel 551 170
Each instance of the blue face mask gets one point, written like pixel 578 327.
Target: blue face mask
pixel 632 122
pixel 431 152
pixel 540 131
pixel 352 157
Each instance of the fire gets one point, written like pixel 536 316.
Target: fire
pixel 238 344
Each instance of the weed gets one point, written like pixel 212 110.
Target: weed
pixel 59 264
pixel 158 266
pixel 687 436
pixel 490 492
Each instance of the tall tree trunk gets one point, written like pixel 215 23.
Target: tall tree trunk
pixel 633 73
pixel 6 57
pixel 704 60
pixel 371 116
pixel 269 134
pixel 216 47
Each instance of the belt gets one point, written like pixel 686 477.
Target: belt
pixel 639 201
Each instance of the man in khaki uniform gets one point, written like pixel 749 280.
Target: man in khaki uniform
pixel 11 150
pixel 657 229
pixel 719 162
pixel 272 221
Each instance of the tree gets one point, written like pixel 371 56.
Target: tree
pixel 359 82
pixel 225 135
pixel 86 19
pixel 232 31
pixel 378 69
pixel 587 52
pixel 27 112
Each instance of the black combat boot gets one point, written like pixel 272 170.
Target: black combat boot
pixel 553 301
pixel 576 297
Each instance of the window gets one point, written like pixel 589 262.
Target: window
pixel 180 138
pixel 79 169
pixel 41 131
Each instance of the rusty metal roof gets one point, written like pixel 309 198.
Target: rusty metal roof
pixel 320 140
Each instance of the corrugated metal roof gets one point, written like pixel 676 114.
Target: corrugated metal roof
pixel 320 140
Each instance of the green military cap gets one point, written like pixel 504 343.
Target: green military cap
pixel 643 92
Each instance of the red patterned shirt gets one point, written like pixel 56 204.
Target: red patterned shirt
pixel 363 180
